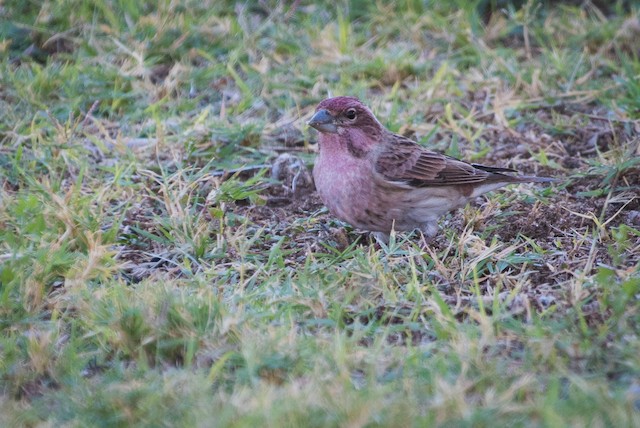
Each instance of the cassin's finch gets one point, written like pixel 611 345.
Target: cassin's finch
pixel 378 181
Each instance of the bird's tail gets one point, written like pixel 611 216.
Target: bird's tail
pixel 532 179
pixel 504 174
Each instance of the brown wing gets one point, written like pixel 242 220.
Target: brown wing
pixel 406 161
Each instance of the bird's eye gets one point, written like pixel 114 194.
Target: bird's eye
pixel 351 114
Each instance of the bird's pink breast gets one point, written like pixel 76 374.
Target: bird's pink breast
pixel 342 180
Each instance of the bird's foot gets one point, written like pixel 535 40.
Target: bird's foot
pixel 381 238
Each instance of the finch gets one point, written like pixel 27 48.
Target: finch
pixel 377 181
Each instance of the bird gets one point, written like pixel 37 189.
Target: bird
pixel 379 181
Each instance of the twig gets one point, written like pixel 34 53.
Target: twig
pixel 224 172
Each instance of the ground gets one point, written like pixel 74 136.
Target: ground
pixel 166 261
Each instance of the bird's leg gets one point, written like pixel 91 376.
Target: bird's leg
pixel 381 238
pixel 425 240
pixel 429 231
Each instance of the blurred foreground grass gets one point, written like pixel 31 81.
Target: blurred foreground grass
pixel 151 276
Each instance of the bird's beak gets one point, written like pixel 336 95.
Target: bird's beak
pixel 323 122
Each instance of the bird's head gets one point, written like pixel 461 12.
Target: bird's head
pixel 339 115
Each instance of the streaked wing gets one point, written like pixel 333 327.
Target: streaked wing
pixel 406 161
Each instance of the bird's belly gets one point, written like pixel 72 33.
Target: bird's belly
pixel 345 189
pixel 413 209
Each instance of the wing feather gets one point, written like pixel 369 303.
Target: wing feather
pixel 406 161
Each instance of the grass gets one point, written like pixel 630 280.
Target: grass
pixel 157 270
